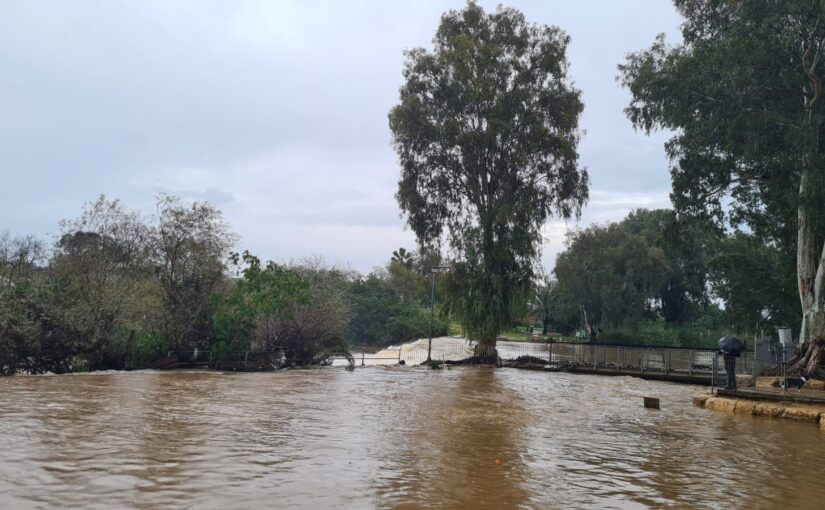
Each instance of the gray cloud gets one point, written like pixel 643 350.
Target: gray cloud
pixel 273 110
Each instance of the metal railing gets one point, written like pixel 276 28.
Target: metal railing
pixel 246 360
pixel 757 368
pixel 672 361
pixel 598 357
pixel 384 357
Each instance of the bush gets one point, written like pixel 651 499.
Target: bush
pixel 146 348
pixel 310 330
pixel 374 303
pixel 380 315
pixel 411 322
pixel 661 334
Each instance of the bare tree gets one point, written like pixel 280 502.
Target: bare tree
pixel 20 257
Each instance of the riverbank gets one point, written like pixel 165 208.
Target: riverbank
pixel 806 413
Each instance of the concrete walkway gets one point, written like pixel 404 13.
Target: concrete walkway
pixel 775 395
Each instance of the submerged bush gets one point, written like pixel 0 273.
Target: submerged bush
pixel 313 330
pixel 146 348
pixel 382 315
pixel 299 311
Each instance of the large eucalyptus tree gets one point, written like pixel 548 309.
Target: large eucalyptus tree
pixel 486 131
pixel 743 92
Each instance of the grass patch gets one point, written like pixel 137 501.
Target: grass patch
pixel 455 329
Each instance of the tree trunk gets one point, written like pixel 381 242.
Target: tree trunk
pixel 592 331
pixel 545 325
pixel 486 349
pixel 810 266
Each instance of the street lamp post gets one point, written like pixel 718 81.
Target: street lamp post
pixel 434 270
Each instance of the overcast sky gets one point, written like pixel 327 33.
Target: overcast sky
pixel 275 111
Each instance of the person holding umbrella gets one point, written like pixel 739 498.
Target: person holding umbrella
pixel 731 348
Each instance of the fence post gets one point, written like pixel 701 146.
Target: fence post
pixel 667 361
pixel 753 367
pixel 550 353
pixel 618 357
pixel 362 358
pixel 690 363
pixel 713 374
pixel 399 353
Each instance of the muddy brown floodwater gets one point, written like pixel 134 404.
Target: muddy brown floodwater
pixel 390 438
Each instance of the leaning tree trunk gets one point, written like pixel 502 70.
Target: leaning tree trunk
pixel 810 266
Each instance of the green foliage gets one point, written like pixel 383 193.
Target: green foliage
pixel 412 321
pixel 743 93
pixel 191 244
pixel 382 315
pixel 121 292
pixel 118 291
pixel 703 331
pixel 647 280
pixel 18 329
pixel 263 293
pixel 223 350
pixel 609 275
pixel 544 303
pixel 737 94
pixel 686 245
pixel 299 311
pixel 650 265
pixel 408 283
pixel 403 257
pixel 486 132
pixel 145 348
pixel 99 261
pixel 757 283
pixel 373 303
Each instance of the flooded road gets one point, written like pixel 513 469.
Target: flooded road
pixel 385 437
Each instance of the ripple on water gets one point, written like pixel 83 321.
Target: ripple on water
pixel 385 437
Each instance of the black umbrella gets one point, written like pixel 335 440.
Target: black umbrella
pixel 730 345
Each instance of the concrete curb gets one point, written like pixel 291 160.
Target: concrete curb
pixel 796 412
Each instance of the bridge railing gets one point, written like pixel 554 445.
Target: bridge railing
pixel 642 358
pixel 596 356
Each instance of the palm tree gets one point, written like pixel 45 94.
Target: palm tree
pixel 403 257
pixel 543 302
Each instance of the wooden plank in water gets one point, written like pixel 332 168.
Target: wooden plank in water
pixel 651 403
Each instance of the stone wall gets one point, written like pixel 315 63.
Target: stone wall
pixel 797 412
